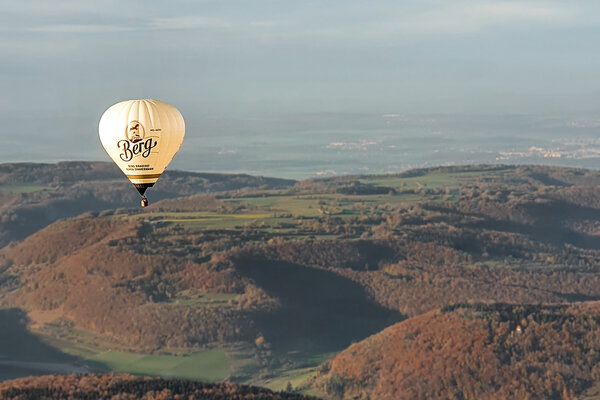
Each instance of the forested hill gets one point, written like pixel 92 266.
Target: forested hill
pixel 127 387
pixel 67 173
pixel 268 281
pixel 475 351
pixel 34 195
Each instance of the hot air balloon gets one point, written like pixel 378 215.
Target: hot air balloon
pixel 141 136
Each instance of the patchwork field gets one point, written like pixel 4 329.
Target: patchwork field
pixel 283 213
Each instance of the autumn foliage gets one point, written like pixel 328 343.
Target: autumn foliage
pixel 127 387
pixel 474 351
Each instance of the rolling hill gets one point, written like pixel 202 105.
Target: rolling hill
pixel 35 195
pixel 474 351
pixel 269 282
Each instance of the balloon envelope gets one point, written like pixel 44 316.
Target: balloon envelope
pixel 141 136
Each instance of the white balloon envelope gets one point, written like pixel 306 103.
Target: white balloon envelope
pixel 142 136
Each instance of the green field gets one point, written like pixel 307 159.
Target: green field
pixel 298 375
pixel 204 300
pixel 208 366
pixel 205 366
pixel 297 212
pixel 292 204
pixel 207 220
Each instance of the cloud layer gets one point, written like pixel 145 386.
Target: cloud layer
pixel 385 56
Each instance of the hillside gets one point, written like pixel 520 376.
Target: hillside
pixel 75 269
pixel 474 351
pixel 269 283
pixel 78 272
pixel 34 195
pixel 97 387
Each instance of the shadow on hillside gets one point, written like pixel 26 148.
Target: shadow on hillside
pixel 555 235
pixel 24 354
pixel 30 218
pixel 548 226
pixel 321 311
pixel 547 180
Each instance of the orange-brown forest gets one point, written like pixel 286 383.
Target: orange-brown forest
pixel 439 265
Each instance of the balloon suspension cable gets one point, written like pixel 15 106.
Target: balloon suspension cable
pixel 144 202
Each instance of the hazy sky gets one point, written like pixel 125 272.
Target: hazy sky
pixel 64 61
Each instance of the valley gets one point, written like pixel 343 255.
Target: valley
pixel 267 282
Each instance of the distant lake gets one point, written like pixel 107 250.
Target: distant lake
pixel 326 144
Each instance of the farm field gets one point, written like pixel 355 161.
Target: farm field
pixel 86 351
pixel 284 213
pixel 288 213
pixel 210 365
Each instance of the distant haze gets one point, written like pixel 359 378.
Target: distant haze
pixel 306 88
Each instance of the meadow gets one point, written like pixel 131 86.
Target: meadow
pixel 23 188
pixel 285 212
pixel 85 350
pixel 101 355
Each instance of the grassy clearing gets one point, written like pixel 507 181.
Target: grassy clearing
pixel 308 206
pixel 205 300
pixel 208 366
pixel 299 376
pixel 23 188
pixel 277 213
pixel 295 205
pixel 208 220
pixel 283 215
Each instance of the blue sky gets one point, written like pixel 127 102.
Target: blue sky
pixel 65 61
